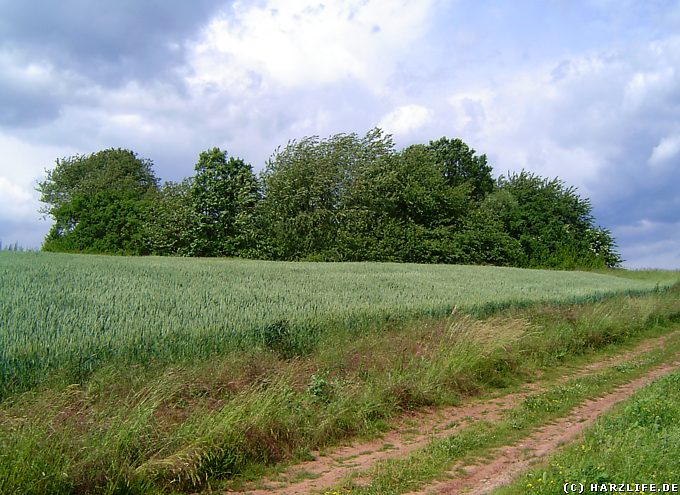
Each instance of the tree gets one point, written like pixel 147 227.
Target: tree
pixel 602 244
pixel 347 198
pixel 308 187
pixel 554 225
pixel 400 208
pixel 482 240
pixel 224 193
pixel 171 223
pixel 98 202
pixel 459 164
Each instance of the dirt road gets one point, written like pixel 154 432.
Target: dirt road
pixel 415 431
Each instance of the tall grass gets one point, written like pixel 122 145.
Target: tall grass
pixel 69 314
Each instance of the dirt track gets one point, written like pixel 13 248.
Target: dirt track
pixel 508 462
pixel 417 430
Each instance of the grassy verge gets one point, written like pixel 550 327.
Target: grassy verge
pixel 416 470
pixel 638 442
pixel 152 429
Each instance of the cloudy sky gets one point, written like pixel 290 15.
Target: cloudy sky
pixel 585 90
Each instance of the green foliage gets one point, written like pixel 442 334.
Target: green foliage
pixel 310 190
pixel 415 192
pixel 602 244
pixel 482 240
pixel 98 202
pixel 554 225
pixel 459 165
pixel 107 222
pixel 413 210
pixel 342 198
pixel 353 199
pixel 320 387
pixel 171 224
pixel 224 192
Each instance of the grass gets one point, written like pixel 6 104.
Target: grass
pixel 62 317
pixel 652 275
pixel 152 429
pixel 636 443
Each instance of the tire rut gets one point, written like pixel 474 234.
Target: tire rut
pixel 506 463
pixel 326 471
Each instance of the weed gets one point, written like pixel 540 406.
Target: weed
pixel 320 387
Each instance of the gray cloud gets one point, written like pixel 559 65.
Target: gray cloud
pixel 79 43
pixel 25 235
pixel 650 244
pixel 20 106
pixel 108 41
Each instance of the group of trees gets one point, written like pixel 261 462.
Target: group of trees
pixel 344 198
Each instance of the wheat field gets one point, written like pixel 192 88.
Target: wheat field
pixel 72 313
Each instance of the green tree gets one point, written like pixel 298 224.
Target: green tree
pixel 554 225
pixel 98 202
pixel 348 198
pixel 402 209
pixel 224 193
pixel 602 244
pixel 171 225
pixel 307 187
pixel 459 164
pixel 482 240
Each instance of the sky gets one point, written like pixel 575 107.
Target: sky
pixel 584 90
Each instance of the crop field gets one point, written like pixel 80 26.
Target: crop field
pixel 73 312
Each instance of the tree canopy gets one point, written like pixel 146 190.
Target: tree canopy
pixel 459 164
pixel 342 198
pixel 98 202
pixel 224 192
pixel 554 225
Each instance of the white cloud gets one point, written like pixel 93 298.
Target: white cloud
pixel 405 119
pixel 667 149
pixel 292 43
pixel 12 194
pixel 24 162
pixel 470 109
pixel 533 120
pixel 31 73
pixel 591 119
pixel 645 86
